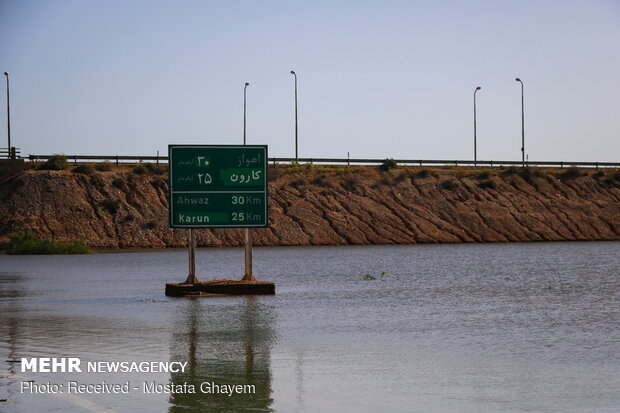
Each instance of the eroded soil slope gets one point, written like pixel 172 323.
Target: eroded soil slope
pixel 327 206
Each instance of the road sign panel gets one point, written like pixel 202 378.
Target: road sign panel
pixel 218 186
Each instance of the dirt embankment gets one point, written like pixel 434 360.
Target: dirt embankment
pixel 327 206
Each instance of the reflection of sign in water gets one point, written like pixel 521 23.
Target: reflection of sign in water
pixel 223 346
pixel 217 186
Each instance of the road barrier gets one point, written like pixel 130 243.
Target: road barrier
pixel 127 159
pixel 9 153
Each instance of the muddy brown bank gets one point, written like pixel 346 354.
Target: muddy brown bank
pixel 316 205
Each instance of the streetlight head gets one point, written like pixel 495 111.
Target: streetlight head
pixel 6 73
pixel 478 88
pixel 292 72
pixel 518 80
pixel 247 84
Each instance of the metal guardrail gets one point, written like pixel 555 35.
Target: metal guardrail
pixel 125 159
pixel 118 159
pixel 448 162
pixel 12 153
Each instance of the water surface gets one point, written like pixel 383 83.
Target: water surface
pixel 440 328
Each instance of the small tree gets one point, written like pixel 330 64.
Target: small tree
pixel 388 163
pixel 55 162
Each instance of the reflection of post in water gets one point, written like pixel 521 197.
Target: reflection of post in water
pixel 192 336
pixel 225 342
pixel 249 322
pixel 299 369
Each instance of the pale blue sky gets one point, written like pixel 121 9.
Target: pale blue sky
pixel 376 78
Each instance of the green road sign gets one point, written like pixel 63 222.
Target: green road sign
pixel 218 186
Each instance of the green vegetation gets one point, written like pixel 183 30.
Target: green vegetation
pixel 55 162
pixel 388 163
pixel 306 170
pixel 370 277
pixel 28 243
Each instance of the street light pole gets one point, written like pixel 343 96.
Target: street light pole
pixel 248 276
pixel 244 106
pixel 522 126
pixel 8 115
pixel 296 140
pixel 475 154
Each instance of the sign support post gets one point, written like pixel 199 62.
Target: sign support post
pixel 191 278
pixel 248 256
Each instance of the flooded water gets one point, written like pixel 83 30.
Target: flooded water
pixel 437 328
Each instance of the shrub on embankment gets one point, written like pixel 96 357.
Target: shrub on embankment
pixel 29 243
pixel 55 162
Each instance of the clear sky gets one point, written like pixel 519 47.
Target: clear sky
pixel 375 78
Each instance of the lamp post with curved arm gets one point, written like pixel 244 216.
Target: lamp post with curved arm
pixel 475 154
pixel 296 140
pixel 522 126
